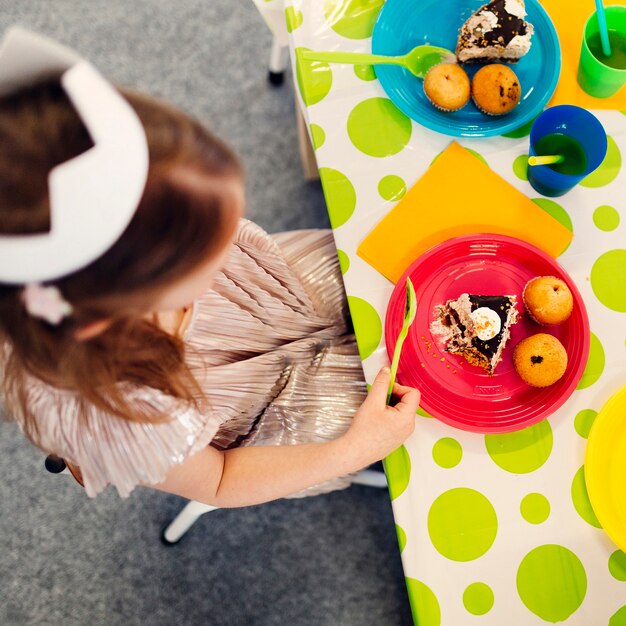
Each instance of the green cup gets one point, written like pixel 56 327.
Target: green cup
pixel 596 77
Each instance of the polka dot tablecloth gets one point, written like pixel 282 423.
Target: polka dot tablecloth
pixel 493 529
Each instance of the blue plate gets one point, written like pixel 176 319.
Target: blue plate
pixel 404 24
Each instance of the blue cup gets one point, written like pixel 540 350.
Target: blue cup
pixel 578 124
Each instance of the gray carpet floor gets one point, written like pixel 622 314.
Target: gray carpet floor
pixel 327 560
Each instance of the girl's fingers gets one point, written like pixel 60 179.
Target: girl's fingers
pixel 378 391
pixel 409 399
pixel 399 390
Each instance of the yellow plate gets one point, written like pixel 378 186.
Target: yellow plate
pixel 605 468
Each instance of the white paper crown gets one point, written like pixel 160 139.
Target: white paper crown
pixel 93 196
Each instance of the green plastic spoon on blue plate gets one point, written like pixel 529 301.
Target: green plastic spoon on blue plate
pixel 418 61
pixel 410 309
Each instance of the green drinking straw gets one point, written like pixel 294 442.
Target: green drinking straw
pixel 549 159
pixel 410 309
pixel 603 29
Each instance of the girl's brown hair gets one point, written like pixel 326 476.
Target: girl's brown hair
pixel 177 226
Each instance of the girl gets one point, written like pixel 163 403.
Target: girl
pixel 195 354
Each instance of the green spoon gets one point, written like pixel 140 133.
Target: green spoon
pixel 418 61
pixel 410 308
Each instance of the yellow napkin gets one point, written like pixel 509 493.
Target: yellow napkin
pixel 458 195
pixel 569 17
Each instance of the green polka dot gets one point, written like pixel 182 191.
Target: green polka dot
pixel 523 451
pixel 398 471
pixel 609 168
pixel 353 19
pixel 314 78
pixel 580 498
pixel 424 604
pixel 365 72
pixel 522 131
pixel 294 18
pixel 378 128
pixel 447 452
pixel 340 196
pixel 478 599
pixel 583 422
pixel 423 413
pixel 551 582
pixel 401 538
pixel 462 524
pixel 318 136
pixel 391 188
pixel 535 508
pixel 367 324
pixel 520 167
pixel 617 565
pixel 595 364
pixel 608 277
pixel 479 156
pixel 619 617
pixel 606 218
pixel 344 261
pixel 558 213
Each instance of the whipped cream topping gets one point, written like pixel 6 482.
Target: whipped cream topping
pixel 482 23
pixel 520 44
pixel 487 323
pixel 515 7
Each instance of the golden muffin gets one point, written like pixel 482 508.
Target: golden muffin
pixel 540 360
pixel 447 86
pixel 548 300
pixel 496 89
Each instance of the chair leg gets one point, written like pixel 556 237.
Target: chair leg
pixel 370 478
pixel 279 56
pixel 175 530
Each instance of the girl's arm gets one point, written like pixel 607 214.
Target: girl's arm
pixel 252 475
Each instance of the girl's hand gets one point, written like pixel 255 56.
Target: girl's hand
pixel 378 429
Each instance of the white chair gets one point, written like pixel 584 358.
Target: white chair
pixel 273 14
pixel 173 532
pixel 279 57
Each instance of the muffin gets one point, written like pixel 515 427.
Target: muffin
pixel 447 87
pixel 496 89
pixel 548 300
pixel 540 360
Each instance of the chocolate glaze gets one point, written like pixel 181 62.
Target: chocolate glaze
pixel 506 28
pixel 499 304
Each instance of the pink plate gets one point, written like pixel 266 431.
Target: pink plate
pixel 454 391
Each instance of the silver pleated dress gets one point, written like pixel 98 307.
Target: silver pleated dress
pixel 271 347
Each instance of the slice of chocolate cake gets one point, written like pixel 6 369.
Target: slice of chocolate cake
pixel 496 32
pixel 476 327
